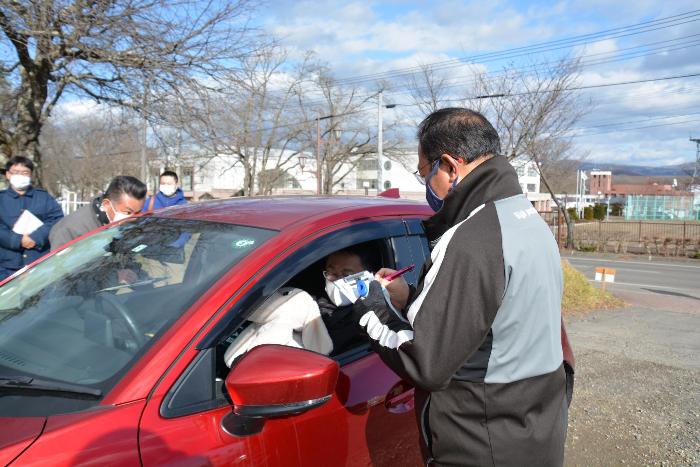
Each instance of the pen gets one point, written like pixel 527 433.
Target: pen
pixel 398 273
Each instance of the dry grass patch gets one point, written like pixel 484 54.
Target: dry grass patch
pixel 580 296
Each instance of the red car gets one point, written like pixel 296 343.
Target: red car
pixel 96 370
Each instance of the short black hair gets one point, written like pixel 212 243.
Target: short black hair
pixel 125 184
pixel 169 173
pixel 19 160
pixel 459 132
pixel 362 251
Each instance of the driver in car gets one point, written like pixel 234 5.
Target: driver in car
pixel 335 306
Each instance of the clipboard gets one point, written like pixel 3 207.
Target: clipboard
pixel 27 223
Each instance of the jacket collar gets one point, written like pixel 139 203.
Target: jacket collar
pixel 98 212
pixel 14 194
pixel 490 181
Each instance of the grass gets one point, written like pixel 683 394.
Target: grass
pixel 580 296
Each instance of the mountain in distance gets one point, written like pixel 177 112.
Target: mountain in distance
pixel 678 170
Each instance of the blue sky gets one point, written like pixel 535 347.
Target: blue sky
pixel 358 38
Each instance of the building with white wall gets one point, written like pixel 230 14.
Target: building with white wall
pixel 222 176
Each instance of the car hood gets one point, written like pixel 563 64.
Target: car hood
pixel 18 434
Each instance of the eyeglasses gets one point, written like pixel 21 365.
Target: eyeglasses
pixel 421 178
pixel 331 276
pixel 26 173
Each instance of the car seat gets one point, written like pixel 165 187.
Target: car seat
pixel 289 317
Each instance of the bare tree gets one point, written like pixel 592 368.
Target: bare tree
pixel 347 131
pixel 83 153
pixel 7 111
pixel 111 51
pixel 344 139
pixel 267 119
pixel 534 114
pixel 428 89
pixel 256 122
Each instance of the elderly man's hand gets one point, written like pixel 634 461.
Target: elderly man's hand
pixel 397 288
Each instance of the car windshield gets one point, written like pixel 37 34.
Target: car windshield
pixel 84 315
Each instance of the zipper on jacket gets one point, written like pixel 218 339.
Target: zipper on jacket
pixel 424 432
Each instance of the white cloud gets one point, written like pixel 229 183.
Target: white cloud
pixel 77 108
pixel 597 49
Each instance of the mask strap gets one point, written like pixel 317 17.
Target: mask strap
pixel 431 174
pixel 433 171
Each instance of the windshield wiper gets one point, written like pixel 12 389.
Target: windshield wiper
pixel 29 384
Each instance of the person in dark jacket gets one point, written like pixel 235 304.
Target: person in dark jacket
pixel 169 193
pixel 480 338
pixel 124 197
pixel 20 249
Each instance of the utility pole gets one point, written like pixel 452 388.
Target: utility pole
pixel 144 141
pixel 380 141
pixel 581 178
pixel 318 155
pixel 578 192
pixel 696 171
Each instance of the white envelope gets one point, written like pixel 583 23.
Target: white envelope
pixel 27 223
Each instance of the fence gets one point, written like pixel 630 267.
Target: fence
pixel 556 225
pixel 668 238
pixel 659 207
pixel 70 206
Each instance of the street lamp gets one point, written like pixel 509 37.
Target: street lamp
pixel 380 137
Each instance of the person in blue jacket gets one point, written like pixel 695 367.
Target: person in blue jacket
pixel 169 193
pixel 18 250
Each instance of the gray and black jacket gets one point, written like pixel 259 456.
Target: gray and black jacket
pixel 481 337
pixel 78 223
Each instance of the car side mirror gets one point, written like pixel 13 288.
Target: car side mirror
pixel 277 381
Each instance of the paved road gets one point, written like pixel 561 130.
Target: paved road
pixel 637 393
pixel 658 277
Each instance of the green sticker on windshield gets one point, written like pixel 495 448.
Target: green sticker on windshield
pixel 244 243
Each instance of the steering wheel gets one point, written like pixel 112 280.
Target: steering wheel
pixel 124 314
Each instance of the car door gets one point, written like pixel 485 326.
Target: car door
pixel 374 409
pixel 185 425
pixel 370 419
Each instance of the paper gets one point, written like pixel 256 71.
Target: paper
pixel 27 223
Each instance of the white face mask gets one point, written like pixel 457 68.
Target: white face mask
pixel 118 215
pixel 340 292
pixel 20 182
pixel 168 190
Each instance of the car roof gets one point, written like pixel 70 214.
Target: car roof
pixel 282 212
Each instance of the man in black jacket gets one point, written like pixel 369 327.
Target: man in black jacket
pixel 480 338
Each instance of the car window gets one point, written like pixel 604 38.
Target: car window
pixel 299 270
pixel 83 315
pixel 409 251
pixel 302 314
